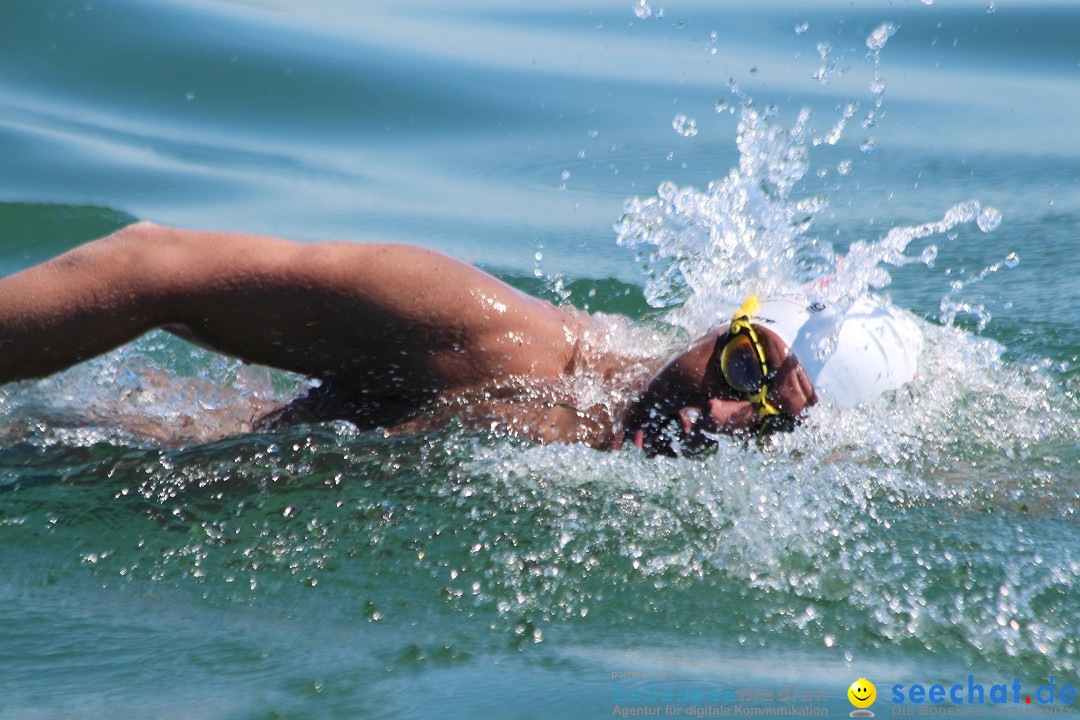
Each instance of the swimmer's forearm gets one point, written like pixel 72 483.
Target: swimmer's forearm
pixel 71 308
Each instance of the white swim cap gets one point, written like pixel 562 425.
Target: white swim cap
pixel 877 348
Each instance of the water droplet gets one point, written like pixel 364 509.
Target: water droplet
pixel 843 167
pixel 190 95
pixel 989 219
pixel 801 28
pixel 929 255
pixel 868 146
pixel 687 127
pixel 990 9
pixel 1011 260
pixel 877 39
pixel 565 175
pixel 642 10
pixel 723 105
pixel 824 347
pixel 927 2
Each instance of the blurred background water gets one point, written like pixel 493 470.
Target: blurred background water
pixel 597 154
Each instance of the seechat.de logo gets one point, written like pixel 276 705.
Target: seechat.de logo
pixel 862 694
pixel 974 693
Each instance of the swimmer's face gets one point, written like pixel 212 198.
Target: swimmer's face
pixel 688 402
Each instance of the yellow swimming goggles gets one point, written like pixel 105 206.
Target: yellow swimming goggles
pixel 743 364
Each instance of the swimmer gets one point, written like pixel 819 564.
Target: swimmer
pixel 407 339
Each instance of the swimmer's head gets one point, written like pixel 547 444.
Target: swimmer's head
pixel 805 349
pixel 698 395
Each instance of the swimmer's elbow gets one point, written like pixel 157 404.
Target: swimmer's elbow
pixel 147 262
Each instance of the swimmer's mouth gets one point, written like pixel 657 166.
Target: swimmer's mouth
pixel 668 439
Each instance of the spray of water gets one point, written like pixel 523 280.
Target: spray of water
pixel 749 232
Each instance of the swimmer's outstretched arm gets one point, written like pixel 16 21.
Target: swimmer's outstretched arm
pixel 367 316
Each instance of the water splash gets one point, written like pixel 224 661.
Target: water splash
pixel 684 126
pixel 809 542
pixel 156 391
pixel 746 233
pixel 749 233
pixel 877 39
pixel 818 536
pixel 876 43
pixel 989 219
pixel 829 68
pixel 837 131
pixel 740 226
pixel 710 44
pixel 951 307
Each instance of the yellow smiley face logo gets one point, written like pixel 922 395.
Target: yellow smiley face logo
pixel 862 693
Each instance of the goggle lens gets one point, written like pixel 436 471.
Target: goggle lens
pixel 741 366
